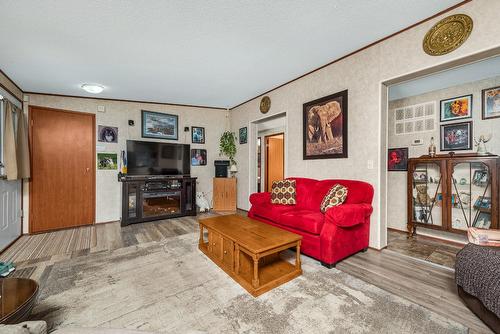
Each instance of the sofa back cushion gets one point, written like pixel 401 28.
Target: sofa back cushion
pixel 311 192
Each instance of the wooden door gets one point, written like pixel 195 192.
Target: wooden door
pixel 62 186
pixel 275 159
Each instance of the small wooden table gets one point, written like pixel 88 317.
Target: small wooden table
pixel 17 298
pixel 249 251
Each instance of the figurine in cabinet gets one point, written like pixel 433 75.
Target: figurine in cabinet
pixel 423 198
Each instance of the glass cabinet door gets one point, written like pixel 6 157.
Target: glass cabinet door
pixel 427 194
pixel 470 196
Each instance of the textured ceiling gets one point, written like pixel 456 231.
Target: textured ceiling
pixel 214 53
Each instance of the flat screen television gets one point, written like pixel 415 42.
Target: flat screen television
pixel 153 158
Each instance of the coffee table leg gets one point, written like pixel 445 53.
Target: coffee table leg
pixel 237 259
pixel 255 281
pixel 201 235
pixel 297 256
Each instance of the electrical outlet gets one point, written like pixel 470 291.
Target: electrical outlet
pixel 369 164
pixel 101 108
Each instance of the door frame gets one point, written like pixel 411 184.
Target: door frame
pixel 266 138
pixel 93 169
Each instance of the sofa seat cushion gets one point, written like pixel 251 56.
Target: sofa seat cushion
pixel 271 211
pixel 304 220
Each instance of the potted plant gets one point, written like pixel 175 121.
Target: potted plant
pixel 227 146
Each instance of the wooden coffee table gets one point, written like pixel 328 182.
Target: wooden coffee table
pixel 17 298
pixel 249 251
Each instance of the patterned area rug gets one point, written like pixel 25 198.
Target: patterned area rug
pixel 171 287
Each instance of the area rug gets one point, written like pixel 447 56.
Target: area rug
pixel 171 287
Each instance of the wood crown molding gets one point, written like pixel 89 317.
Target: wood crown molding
pixel 125 100
pixel 15 85
pixel 356 51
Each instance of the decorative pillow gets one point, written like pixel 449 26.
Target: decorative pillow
pixel 283 192
pixel 335 196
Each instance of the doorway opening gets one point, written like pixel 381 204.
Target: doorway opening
pixel 435 197
pixel 268 142
pixel 275 159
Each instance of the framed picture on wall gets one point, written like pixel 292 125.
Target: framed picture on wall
pixel 397 159
pixel 456 136
pixel 198 157
pixel 456 108
pixel 243 135
pixel 197 135
pixel 107 161
pixel 491 102
pixel 107 134
pixel 160 126
pixel 325 127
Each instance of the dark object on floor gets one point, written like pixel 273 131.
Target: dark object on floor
pixel 18 298
pixel 477 274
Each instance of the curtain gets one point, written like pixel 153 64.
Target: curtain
pixel 15 141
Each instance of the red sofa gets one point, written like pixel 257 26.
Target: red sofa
pixel 342 231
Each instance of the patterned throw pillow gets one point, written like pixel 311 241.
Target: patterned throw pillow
pixel 335 196
pixel 283 192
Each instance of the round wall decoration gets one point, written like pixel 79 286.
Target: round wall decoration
pixel 265 104
pixel 447 35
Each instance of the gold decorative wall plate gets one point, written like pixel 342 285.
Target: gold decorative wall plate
pixel 265 104
pixel 447 35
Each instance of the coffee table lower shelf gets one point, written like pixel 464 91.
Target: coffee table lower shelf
pixel 271 270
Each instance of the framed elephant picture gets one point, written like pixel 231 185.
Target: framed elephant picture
pixel 325 127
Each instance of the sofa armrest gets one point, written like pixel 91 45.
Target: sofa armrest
pixel 346 215
pixel 260 198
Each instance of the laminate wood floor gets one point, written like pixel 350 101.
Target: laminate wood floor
pixel 413 279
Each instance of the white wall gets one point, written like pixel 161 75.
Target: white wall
pixel 362 74
pixel 397 180
pixel 108 189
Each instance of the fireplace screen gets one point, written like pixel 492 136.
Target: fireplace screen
pixel 161 203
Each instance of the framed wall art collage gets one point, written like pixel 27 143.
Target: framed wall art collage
pixel 455 118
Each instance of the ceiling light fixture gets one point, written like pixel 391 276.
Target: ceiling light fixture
pixel 92 88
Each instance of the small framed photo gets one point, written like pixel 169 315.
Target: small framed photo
pixel 483 203
pixel 420 176
pixel 397 159
pixel 456 136
pixel 456 108
pixel 483 220
pixel 491 102
pixel 107 161
pixel 243 135
pixel 198 157
pixel 197 135
pixel 107 134
pixel 480 178
pixel 160 126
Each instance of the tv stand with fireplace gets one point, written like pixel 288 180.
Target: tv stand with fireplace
pixel 148 198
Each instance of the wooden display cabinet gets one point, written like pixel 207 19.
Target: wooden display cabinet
pixel 452 192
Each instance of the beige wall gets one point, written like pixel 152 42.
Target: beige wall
pixel 362 74
pixel 108 189
pixel 396 198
